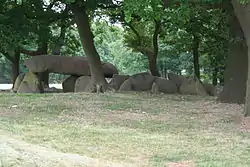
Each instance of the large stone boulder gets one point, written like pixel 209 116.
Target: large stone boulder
pixel 18 82
pixel 126 86
pixel 193 87
pixel 164 85
pixel 177 79
pixel 138 82
pixel 210 89
pixel 30 84
pixel 155 89
pixel 142 81
pixel 118 80
pixel 66 65
pixel 69 84
pixel 83 84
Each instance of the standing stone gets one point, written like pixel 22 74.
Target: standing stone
pixel 18 81
pixel 155 88
pixel 177 79
pixel 193 87
pixel 164 85
pixel 118 80
pixel 30 84
pixel 210 89
pixel 142 81
pixel 69 84
pixel 126 86
pixel 83 84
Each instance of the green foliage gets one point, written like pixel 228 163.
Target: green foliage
pixel 141 36
pixel 29 24
pixel 72 44
pixel 13 25
pixel 146 9
pixel 174 61
pixel 109 42
pixel 210 26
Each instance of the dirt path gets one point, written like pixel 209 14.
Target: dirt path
pixel 17 153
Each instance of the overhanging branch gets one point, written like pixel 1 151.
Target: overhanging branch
pixel 8 56
pixel 134 31
pixel 29 52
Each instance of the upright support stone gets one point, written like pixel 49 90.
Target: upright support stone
pixel 30 84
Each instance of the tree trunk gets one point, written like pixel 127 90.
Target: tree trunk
pixel 152 63
pixel 60 41
pixel 243 14
pixel 43 40
pixel 153 66
pixel 165 69
pixel 87 39
pixel 247 102
pixel 236 65
pixel 153 57
pixel 43 50
pixel 195 50
pixel 15 66
pixel 215 76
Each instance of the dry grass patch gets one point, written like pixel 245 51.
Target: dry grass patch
pixel 136 129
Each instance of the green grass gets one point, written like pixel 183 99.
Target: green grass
pixel 139 129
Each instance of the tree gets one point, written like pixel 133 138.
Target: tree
pixel 110 44
pixel 236 61
pixel 25 24
pixel 242 12
pixel 14 28
pixel 188 28
pixel 142 36
pixel 236 64
pixel 43 17
pixel 87 39
pixel 214 47
pixel 81 10
pixel 142 22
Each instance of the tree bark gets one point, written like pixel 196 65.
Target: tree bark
pixel 15 66
pixel 43 50
pixel 247 102
pixel 153 65
pixel 87 39
pixel 150 53
pixel 165 69
pixel 243 14
pixel 195 50
pixel 215 76
pixel 153 57
pixel 59 44
pixel 236 64
pixel 13 55
pixel 152 62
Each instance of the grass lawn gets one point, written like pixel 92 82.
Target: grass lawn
pixel 121 130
